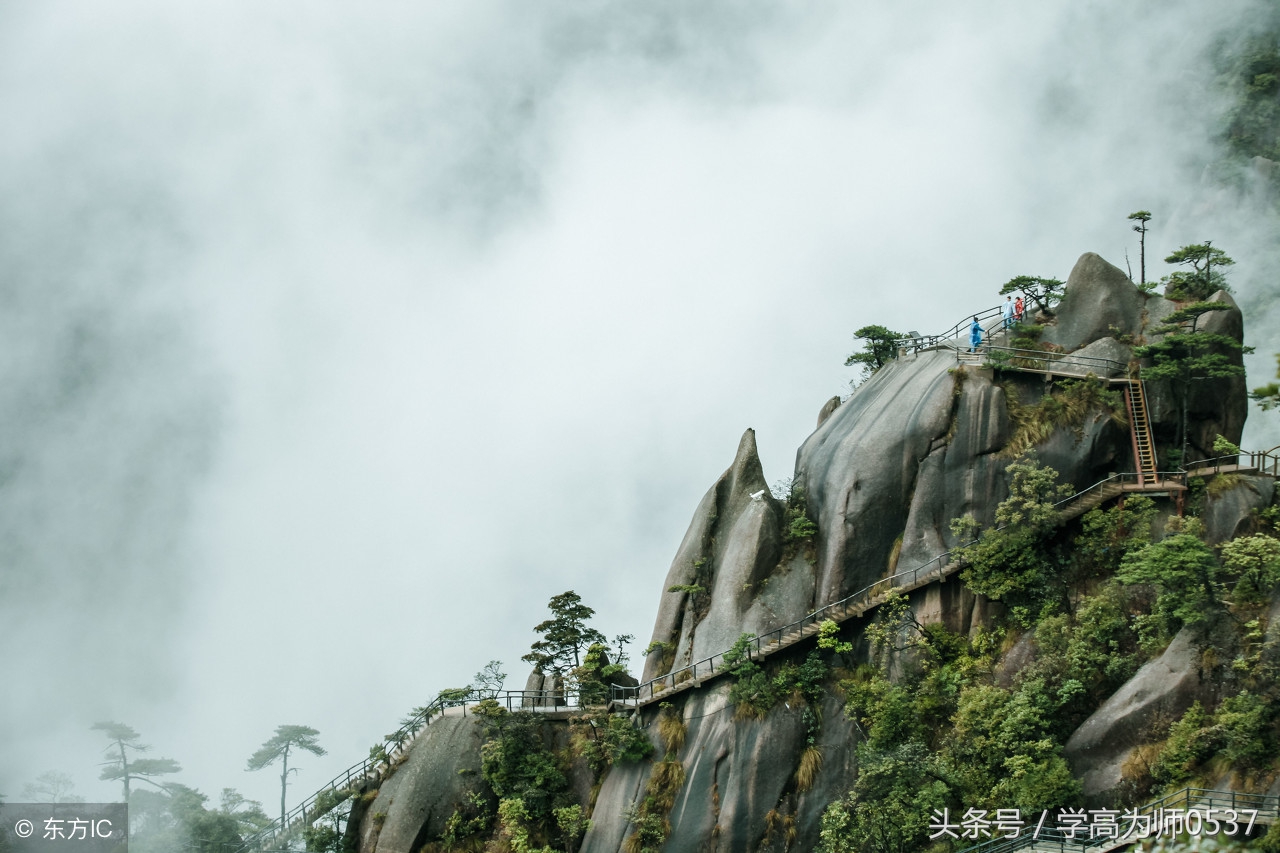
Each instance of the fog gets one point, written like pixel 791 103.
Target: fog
pixel 336 339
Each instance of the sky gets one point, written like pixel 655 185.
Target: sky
pixel 335 340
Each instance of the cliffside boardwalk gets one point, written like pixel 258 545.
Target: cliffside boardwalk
pixel 1145 479
pixel 368 773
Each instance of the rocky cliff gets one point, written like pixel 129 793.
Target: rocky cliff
pixel 925 440
pixel 922 442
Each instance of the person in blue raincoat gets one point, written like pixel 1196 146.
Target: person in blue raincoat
pixel 975 335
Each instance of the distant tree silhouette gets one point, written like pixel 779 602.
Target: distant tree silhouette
pixel 286 739
pixel 119 766
pixel 51 787
pixel 1142 217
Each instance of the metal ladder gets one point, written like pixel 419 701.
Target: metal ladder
pixel 1144 454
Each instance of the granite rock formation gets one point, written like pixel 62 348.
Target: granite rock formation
pixel 924 440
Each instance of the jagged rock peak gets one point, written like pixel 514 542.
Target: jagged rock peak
pixel 732 543
pixel 746 474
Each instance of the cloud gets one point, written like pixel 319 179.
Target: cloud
pixel 337 342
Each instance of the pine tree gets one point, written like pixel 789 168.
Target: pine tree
pixel 119 765
pixel 1203 280
pixel 1047 292
pixel 1142 217
pixel 880 344
pixel 285 739
pixel 565 636
pixel 1185 356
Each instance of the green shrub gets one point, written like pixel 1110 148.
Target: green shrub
pixel 1185 574
pixel 829 638
pixel 1016 563
pixel 322 839
pixel 1108 535
pixel 890 805
pixel 1191 741
pixel 1244 723
pixel 605 739
pixel 1255 562
pixel 798 527
pixel 802 528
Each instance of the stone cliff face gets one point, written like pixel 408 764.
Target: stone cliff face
pixel 920 443
pixel 923 441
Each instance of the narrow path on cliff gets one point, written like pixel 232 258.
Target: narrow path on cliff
pixel 1145 479
pixel 996 357
pixel 368 773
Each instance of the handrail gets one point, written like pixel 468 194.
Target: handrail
pixel 1265 461
pixel 1050 357
pixel 1176 477
pixel 1267 805
pixel 343 786
pixel 920 342
pixel 705 668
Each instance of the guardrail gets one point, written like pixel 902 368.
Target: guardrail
pixel 1250 809
pixel 908 580
pixel 912 578
pixel 1263 461
pixel 345 784
pixel 368 770
pixel 916 343
pixel 1052 362
pixel 1163 478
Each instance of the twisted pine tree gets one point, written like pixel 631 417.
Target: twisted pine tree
pixel 119 764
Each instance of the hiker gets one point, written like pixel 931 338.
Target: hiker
pixel 1017 308
pixel 1006 311
pixel 975 335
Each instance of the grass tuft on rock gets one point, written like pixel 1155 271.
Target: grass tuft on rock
pixel 810 767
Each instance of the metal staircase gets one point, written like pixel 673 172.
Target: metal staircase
pixel 1144 452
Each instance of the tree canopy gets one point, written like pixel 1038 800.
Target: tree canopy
pixel 120 767
pixel 278 746
pixel 1047 292
pixel 565 636
pixel 1202 280
pixel 1009 562
pixel 878 348
pixel 1185 355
